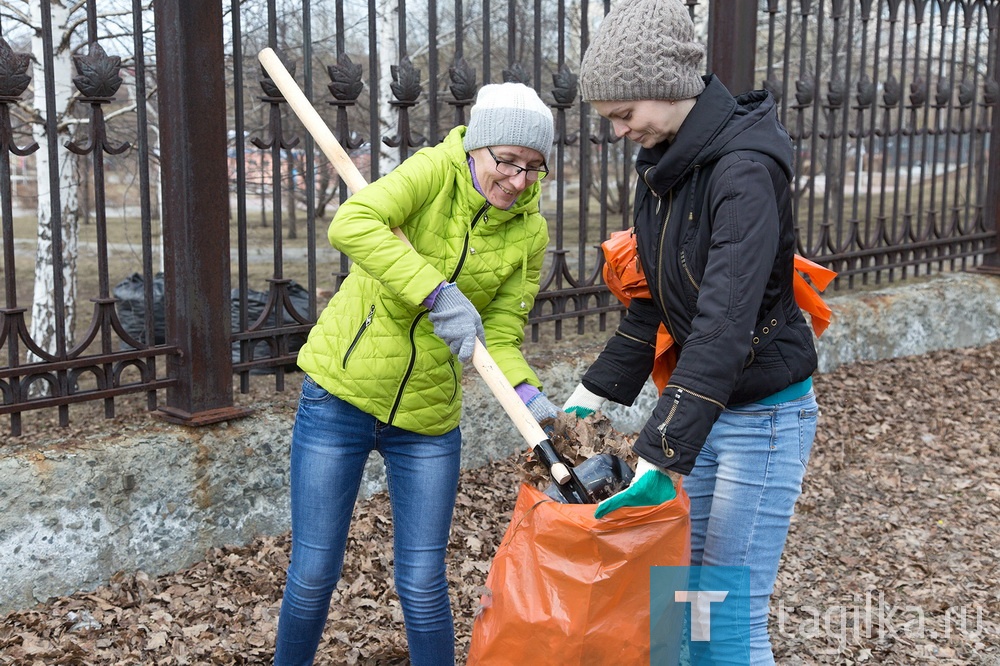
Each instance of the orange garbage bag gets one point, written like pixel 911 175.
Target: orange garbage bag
pixel 567 588
pixel 805 294
pixel 623 274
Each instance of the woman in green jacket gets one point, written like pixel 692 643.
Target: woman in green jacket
pixel 381 367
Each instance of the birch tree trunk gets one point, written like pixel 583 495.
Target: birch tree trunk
pixel 388 55
pixel 45 327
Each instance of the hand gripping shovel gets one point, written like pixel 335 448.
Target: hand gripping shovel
pixel 597 477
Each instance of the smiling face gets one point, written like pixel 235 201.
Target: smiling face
pixel 647 122
pixel 500 190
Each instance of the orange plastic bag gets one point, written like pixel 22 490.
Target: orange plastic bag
pixel 806 296
pixel 567 588
pixel 623 274
pixel 624 277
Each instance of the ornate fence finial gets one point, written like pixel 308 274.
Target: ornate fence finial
pixel 991 92
pixel 918 92
pixel 565 88
pixel 98 74
pixel 405 84
pixel 14 79
pixel 463 82
pixel 966 93
pixel 891 92
pixel 98 81
pixel 271 91
pixel 564 93
pixel 346 79
pixel 773 85
pixel 406 88
pixel 835 92
pixel 866 92
pixel 516 74
pixel 463 88
pixel 942 93
pixel 804 91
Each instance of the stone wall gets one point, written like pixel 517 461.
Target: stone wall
pixel 157 498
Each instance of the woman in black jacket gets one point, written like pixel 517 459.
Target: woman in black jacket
pixel 716 240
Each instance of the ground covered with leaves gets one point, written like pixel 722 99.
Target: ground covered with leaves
pixel 892 558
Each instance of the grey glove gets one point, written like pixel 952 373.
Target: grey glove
pixel 456 321
pixel 544 412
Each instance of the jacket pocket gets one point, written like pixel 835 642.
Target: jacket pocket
pixel 454 379
pixel 357 336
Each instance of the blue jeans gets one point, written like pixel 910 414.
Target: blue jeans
pixel 331 441
pixel 743 490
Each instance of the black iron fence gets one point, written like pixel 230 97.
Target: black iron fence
pixel 151 173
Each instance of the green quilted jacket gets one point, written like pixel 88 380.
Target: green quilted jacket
pixel 373 345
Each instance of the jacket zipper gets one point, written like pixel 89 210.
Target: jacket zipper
pixel 684 264
pixel 687 271
pixel 454 379
pixel 668 450
pixel 660 271
pixel 357 337
pixel 409 368
pixel 480 215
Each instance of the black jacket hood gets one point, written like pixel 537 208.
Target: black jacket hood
pixel 718 124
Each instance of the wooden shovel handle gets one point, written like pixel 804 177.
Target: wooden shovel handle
pixel 328 143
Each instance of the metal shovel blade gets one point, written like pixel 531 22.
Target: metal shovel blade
pixel 601 475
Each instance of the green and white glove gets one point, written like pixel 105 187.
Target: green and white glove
pixel 650 487
pixel 583 403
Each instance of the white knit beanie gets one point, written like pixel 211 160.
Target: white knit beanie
pixel 510 114
pixel 643 49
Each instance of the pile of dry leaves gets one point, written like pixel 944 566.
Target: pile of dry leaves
pixel 893 555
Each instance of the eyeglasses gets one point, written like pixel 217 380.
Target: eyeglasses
pixel 510 169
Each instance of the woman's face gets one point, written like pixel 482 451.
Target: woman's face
pixel 647 122
pixel 502 190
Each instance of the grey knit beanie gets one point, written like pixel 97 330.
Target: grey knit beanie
pixel 510 114
pixel 644 49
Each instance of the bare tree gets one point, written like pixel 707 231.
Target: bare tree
pixel 57 78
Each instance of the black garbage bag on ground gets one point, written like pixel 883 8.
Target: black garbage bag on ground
pixel 256 302
pixel 131 307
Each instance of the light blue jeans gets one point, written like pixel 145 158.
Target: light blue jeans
pixel 743 490
pixel 331 441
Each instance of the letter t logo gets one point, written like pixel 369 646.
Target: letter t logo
pixel 701 610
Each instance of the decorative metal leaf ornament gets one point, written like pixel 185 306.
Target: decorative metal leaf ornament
pixel 943 92
pixel 564 81
pixel 866 92
pixel 966 92
pixel 267 84
pixel 804 91
pixel 835 92
pixel 891 92
pixel 463 81
pixel 773 86
pixel 98 73
pixel 405 81
pixel 13 65
pixel 918 91
pixel 991 92
pixel 516 74
pixel 346 77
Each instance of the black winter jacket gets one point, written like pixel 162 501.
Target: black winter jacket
pixel 716 239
